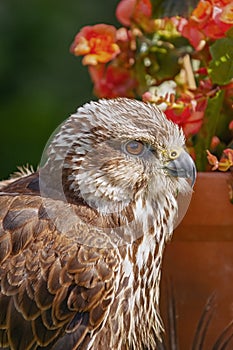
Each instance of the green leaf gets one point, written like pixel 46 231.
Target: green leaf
pixel 221 66
pixel 229 33
pixel 208 129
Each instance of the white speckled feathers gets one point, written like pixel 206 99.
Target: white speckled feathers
pixel 81 240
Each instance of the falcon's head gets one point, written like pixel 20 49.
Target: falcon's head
pixel 114 153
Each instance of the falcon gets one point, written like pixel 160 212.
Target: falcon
pixel 82 238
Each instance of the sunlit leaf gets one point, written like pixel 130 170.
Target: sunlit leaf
pixel 221 66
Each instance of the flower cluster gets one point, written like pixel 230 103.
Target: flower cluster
pixel 183 64
pixel 209 21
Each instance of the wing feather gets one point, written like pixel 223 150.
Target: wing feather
pixel 25 305
pixel 53 291
pixel 20 338
pixel 43 336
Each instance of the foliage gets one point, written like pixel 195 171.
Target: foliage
pixel 183 64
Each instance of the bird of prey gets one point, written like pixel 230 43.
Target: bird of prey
pixel 82 238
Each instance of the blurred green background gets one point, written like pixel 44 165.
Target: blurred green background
pixel 41 83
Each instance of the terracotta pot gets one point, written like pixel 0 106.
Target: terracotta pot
pixel 199 261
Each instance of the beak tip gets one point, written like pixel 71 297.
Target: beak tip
pixel 193 175
pixel 183 166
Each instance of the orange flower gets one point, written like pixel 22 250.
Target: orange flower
pixel 187 114
pixel 202 12
pixel 212 160
pixel 96 43
pixel 214 142
pixel 112 81
pixel 125 11
pixel 225 163
pixel 192 33
pixel 227 14
pixel 209 20
pixel 138 11
pixel 189 120
pixel 143 9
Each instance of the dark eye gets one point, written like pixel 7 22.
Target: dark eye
pixel 135 148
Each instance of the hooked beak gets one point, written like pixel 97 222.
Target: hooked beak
pixel 183 166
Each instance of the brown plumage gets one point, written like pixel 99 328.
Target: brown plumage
pixel 81 240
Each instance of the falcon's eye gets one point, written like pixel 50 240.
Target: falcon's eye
pixel 135 148
pixel 174 154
